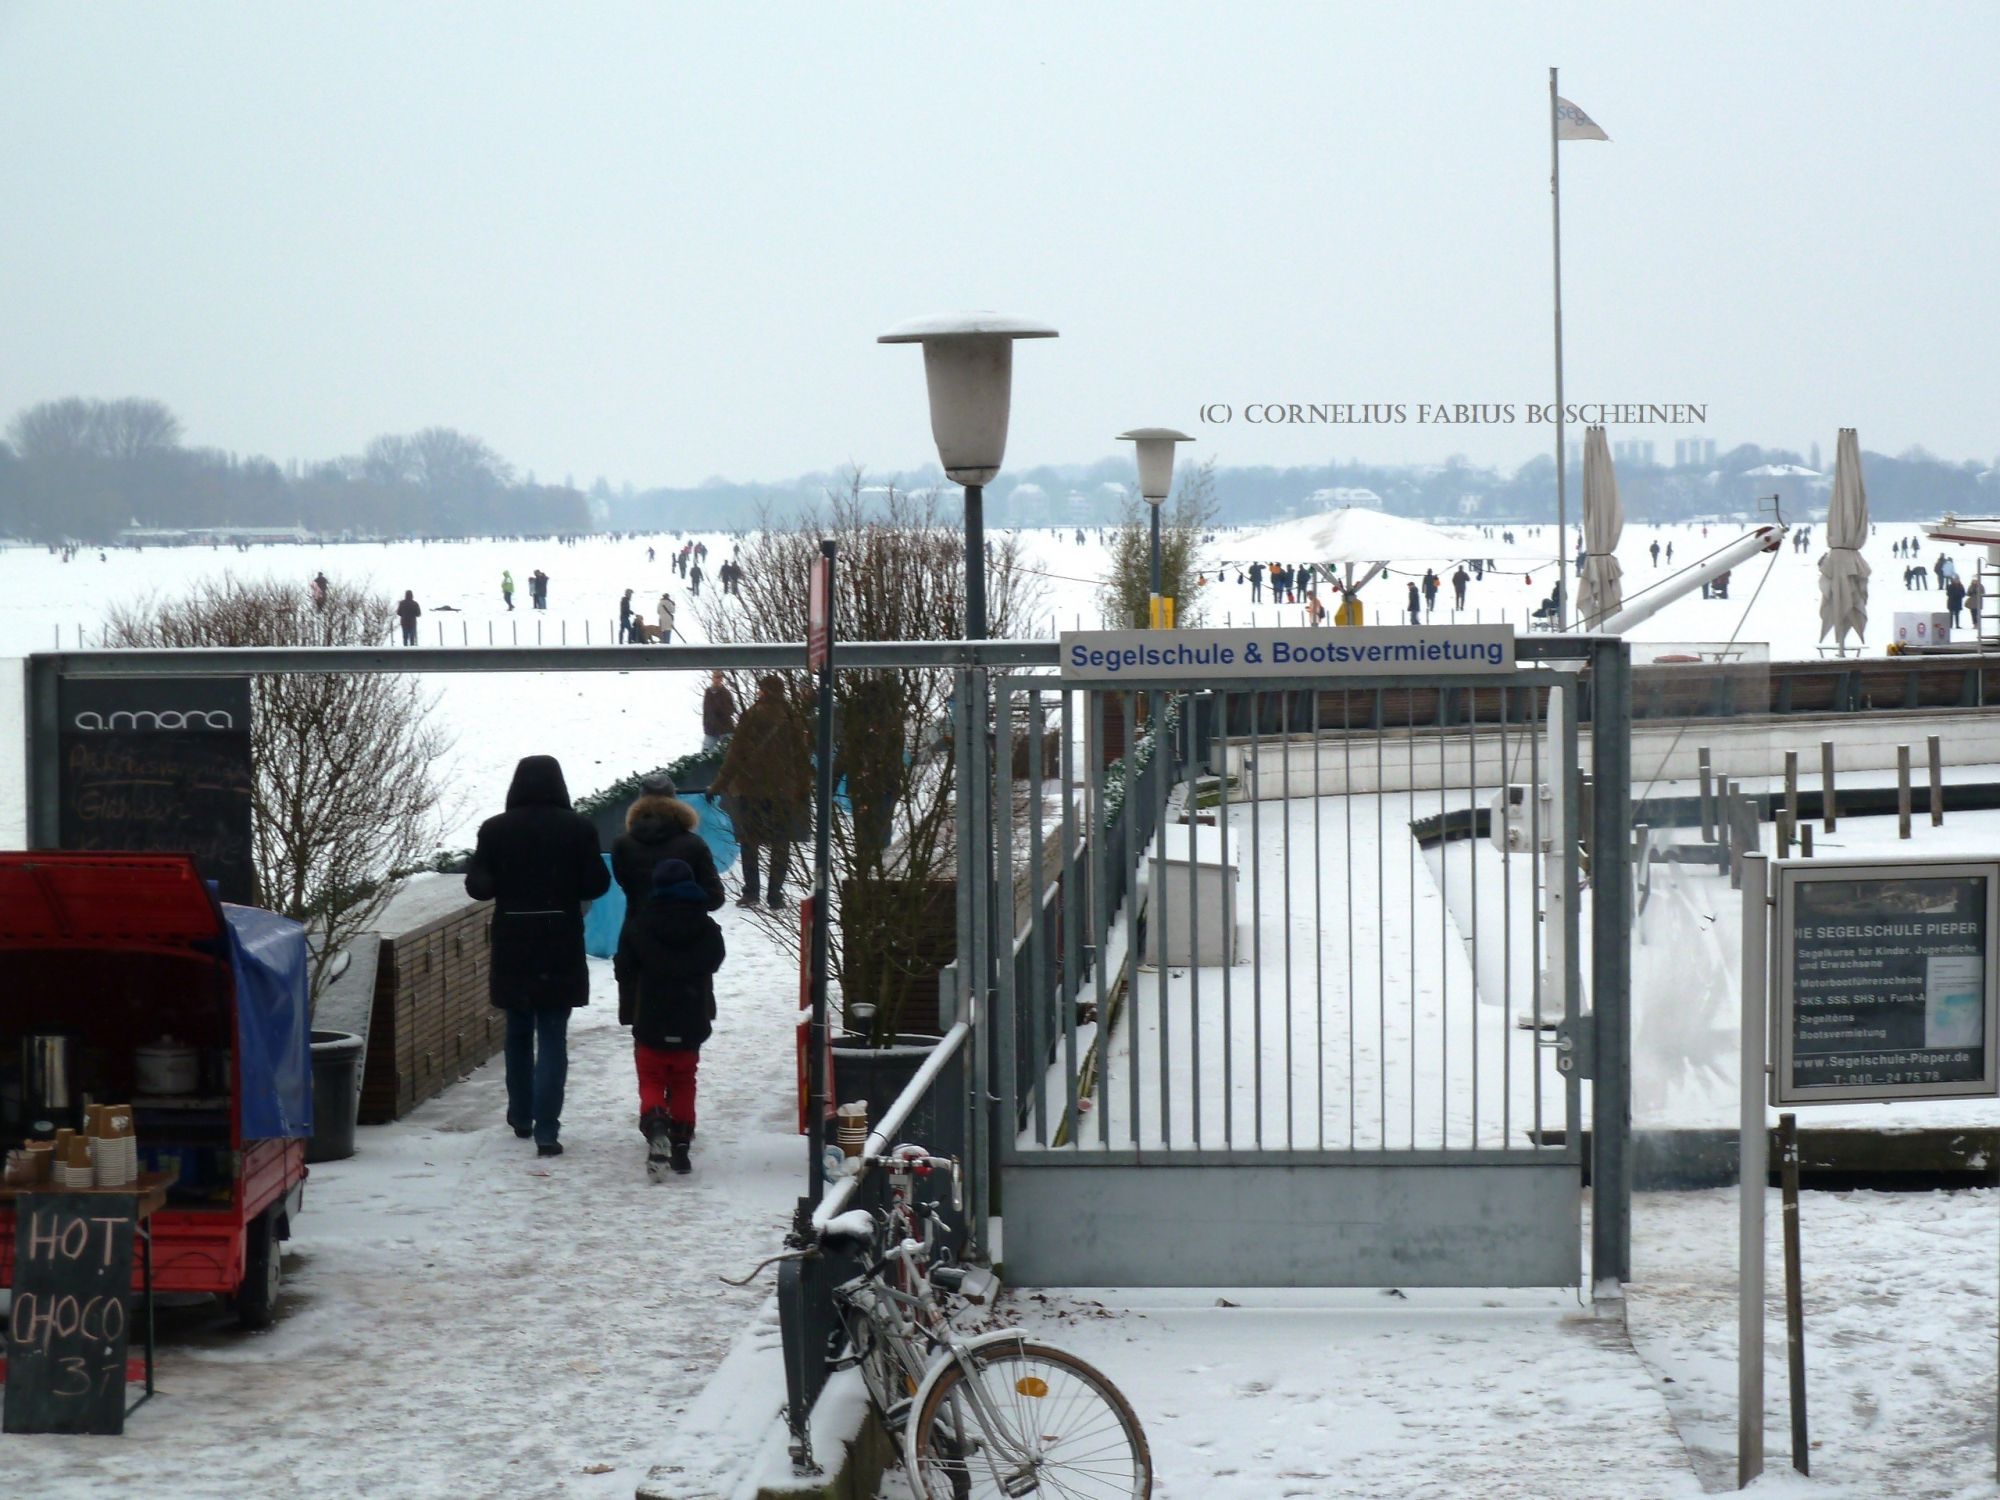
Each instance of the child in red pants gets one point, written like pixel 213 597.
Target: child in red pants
pixel 675 948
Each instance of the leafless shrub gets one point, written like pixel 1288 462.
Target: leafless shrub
pixel 346 777
pixel 900 576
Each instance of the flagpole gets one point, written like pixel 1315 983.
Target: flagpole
pixel 1562 494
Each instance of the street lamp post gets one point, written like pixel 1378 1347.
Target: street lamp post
pixel 1155 451
pixel 969 369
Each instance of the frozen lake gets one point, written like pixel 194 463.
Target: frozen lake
pixel 603 726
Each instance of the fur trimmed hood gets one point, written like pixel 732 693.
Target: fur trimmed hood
pixel 654 818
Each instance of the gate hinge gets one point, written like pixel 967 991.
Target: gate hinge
pixel 1576 1046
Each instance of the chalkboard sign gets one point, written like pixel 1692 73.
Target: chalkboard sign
pixel 160 765
pixel 66 1329
pixel 1886 980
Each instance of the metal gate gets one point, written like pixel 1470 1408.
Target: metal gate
pixel 1290 982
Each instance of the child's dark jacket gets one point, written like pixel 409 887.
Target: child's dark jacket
pixel 673 948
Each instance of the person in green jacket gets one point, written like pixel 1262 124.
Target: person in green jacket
pixel 507 587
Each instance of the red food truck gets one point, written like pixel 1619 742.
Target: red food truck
pixel 123 979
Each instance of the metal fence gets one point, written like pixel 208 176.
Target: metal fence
pixel 1345 999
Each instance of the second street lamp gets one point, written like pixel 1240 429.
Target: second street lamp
pixel 1155 451
pixel 969 371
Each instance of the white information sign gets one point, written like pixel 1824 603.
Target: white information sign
pixel 1887 983
pixel 1176 656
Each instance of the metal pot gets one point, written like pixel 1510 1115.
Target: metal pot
pixel 168 1067
pixel 48 1082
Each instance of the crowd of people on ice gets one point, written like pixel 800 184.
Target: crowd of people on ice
pixel 540 863
pixel 635 626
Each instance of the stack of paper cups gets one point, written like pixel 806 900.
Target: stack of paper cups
pixel 73 1168
pixel 115 1149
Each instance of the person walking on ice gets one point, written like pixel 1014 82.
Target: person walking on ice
pixel 674 949
pixel 507 589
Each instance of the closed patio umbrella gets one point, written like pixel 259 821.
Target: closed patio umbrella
pixel 1601 591
pixel 1843 572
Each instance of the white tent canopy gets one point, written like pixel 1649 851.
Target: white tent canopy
pixel 1355 534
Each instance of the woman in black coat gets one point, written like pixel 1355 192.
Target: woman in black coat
pixel 538 863
pixel 658 826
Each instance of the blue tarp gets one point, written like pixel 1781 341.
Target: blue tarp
pixel 267 954
pixel 607 912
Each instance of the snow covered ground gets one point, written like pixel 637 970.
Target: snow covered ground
pixel 461 1317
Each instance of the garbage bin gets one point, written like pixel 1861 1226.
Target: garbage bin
pixel 336 1083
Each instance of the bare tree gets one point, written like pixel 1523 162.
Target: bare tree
pixel 1127 590
pixel 346 779
pixel 900 576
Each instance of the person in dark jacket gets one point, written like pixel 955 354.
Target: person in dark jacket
pixel 718 712
pixel 538 863
pixel 766 782
pixel 658 826
pixel 407 610
pixel 674 949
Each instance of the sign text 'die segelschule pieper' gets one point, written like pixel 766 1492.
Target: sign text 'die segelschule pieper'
pixel 1175 656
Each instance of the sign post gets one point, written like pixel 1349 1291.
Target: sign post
pixel 1885 985
pixel 819 656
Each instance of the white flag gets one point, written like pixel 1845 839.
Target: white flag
pixel 1572 124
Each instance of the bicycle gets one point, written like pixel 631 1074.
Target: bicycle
pixel 995 1414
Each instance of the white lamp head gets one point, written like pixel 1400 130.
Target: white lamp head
pixel 1156 459
pixel 969 370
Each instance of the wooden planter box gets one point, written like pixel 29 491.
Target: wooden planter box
pixel 433 1020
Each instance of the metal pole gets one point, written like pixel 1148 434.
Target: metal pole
pixel 1902 791
pixel 1795 1309
pixel 975 562
pixel 44 718
pixel 1937 781
pixel 1829 813
pixel 1155 553
pixel 1611 963
pixel 1754 1150
pixel 816 1041
pixel 1562 496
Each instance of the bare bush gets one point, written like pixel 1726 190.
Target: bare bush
pixel 900 576
pixel 346 781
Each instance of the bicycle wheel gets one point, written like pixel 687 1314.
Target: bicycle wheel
pixel 1041 1422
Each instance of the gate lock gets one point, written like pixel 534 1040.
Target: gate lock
pixel 1576 1046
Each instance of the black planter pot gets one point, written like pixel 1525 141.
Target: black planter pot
pixel 879 1074
pixel 336 1080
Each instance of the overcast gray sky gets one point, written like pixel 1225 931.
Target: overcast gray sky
pixel 657 242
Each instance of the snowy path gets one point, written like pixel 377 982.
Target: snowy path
pixel 463 1318
pixel 1373 1395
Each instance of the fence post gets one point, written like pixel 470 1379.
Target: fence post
pixel 1829 813
pixel 1902 791
pixel 1707 797
pixel 1792 785
pixel 1937 781
pixel 1611 962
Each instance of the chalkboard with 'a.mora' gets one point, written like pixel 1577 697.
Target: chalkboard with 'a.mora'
pixel 67 1326
pixel 160 765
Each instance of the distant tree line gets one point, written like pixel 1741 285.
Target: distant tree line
pixel 84 470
